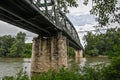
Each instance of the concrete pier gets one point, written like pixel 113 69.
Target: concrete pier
pixel 78 56
pixel 48 53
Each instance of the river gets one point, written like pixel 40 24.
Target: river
pixel 12 66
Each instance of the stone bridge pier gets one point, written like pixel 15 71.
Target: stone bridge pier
pixel 78 56
pixel 48 53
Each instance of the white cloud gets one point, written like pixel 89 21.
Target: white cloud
pixel 81 20
pixel 82 9
pixel 8 29
pixel 114 25
pixel 82 30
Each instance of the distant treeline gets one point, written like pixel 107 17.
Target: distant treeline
pixel 103 44
pixel 15 46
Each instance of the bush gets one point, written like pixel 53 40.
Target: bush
pixel 62 74
pixel 112 72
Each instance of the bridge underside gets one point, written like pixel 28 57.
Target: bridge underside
pixel 25 15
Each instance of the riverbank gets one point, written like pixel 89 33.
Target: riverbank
pixel 100 56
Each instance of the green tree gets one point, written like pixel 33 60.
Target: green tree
pixel 28 49
pixel 18 48
pixel 103 44
pixel 106 11
pixel 112 71
pixel 71 52
pixel 63 4
pixel 5 45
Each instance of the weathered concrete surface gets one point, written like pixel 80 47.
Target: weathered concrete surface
pixel 78 56
pixel 62 51
pixel 48 53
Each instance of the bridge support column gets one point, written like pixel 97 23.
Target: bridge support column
pixel 78 56
pixel 48 53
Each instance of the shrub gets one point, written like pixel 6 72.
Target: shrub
pixel 112 72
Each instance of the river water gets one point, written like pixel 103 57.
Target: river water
pixel 12 66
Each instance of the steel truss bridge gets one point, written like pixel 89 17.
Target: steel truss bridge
pixel 42 17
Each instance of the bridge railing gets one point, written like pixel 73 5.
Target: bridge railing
pixel 48 8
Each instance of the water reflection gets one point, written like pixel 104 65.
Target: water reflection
pixel 78 60
pixel 83 61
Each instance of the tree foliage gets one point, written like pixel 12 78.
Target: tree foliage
pixel 28 50
pixel 71 52
pixel 5 44
pixel 107 11
pixel 103 44
pixel 64 4
pixel 112 72
pixel 18 48
pixel 15 46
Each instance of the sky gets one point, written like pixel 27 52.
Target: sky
pixel 80 17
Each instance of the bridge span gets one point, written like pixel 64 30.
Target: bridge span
pixel 55 30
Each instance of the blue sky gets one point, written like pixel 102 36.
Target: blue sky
pixel 80 17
